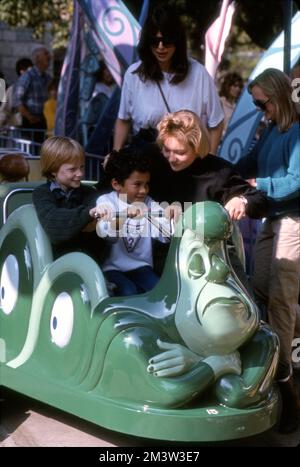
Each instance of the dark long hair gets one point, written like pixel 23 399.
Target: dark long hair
pixel 229 80
pixel 169 24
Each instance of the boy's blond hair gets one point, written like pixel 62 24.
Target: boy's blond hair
pixel 187 127
pixel 59 150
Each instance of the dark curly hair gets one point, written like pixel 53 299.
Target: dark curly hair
pixel 121 164
pixel 169 24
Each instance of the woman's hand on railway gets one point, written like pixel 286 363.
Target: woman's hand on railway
pixel 236 207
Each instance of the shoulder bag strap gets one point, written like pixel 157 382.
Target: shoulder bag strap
pixel 163 96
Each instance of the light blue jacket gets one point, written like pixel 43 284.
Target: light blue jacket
pixel 275 163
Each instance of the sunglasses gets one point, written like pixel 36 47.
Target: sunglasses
pixel 166 41
pixel 261 104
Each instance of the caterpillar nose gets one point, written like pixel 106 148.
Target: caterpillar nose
pixel 219 271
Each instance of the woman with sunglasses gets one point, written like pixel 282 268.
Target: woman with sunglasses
pixel 165 80
pixel 274 167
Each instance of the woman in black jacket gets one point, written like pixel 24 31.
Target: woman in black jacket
pixel 187 173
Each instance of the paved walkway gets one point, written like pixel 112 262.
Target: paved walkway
pixel 25 422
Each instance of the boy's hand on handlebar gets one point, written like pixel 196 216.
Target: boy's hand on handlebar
pixel 101 211
pixel 173 211
pixel 134 211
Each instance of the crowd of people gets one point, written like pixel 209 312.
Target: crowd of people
pixel 30 103
pixel 169 126
pixel 26 98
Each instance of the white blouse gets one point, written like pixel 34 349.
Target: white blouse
pixel 142 103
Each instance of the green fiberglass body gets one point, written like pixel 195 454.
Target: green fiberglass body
pixel 188 361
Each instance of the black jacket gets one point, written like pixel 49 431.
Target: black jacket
pixel 63 218
pixel 211 178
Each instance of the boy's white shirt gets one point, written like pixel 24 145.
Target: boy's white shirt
pixel 131 247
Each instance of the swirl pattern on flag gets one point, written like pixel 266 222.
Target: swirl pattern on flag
pixel 115 32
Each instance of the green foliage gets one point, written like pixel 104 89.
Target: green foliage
pixel 53 16
pixel 262 21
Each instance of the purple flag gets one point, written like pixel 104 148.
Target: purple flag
pixel 115 32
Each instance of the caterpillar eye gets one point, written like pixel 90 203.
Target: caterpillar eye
pixel 62 318
pixel 9 284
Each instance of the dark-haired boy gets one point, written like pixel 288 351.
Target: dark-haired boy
pixel 126 222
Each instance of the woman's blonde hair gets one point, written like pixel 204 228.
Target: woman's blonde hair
pixel 187 127
pixel 276 85
pixel 59 150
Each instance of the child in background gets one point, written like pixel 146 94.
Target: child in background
pixel 129 263
pixel 50 106
pixel 65 207
pixel 14 167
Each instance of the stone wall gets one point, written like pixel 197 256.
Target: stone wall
pixel 16 43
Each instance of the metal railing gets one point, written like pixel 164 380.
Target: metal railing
pixel 93 167
pixel 26 133
pixel 8 197
pixel 9 142
pixel 21 139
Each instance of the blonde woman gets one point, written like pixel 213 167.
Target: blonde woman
pixel 188 173
pixel 274 168
pixel 191 174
